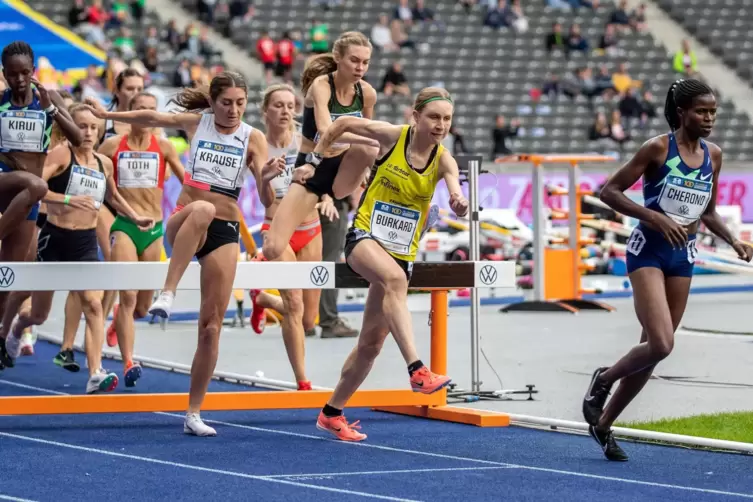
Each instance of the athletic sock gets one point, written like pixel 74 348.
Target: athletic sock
pixel 329 411
pixel 415 366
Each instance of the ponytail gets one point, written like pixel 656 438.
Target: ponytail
pixel 318 65
pixel 194 99
pixel 680 95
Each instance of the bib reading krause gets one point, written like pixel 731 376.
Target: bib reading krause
pixel 218 164
pixel 684 200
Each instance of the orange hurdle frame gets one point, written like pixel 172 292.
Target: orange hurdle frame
pixel 563 290
pixel 400 401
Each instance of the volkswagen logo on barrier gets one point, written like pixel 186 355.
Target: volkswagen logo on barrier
pixel 319 275
pixel 488 275
pixel 7 277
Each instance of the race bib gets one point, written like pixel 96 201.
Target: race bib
pixel 22 130
pixel 282 181
pixel 394 226
pixel 335 116
pixel 138 169
pixel 685 200
pixel 218 164
pixel 85 181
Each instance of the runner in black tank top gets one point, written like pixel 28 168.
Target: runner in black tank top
pixel 332 88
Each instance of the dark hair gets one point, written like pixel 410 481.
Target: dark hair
pixel 120 79
pixel 201 98
pixel 680 95
pixel 17 48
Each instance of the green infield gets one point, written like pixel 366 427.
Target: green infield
pixel 733 426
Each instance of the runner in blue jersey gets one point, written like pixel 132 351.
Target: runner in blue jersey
pixel 680 180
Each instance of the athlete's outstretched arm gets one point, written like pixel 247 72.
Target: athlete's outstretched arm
pixel 448 169
pixel 384 133
pixel 172 159
pixel 49 97
pixel 711 217
pixel 147 118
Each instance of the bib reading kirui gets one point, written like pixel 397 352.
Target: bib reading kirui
pixel 138 169
pixel 394 226
pixel 218 164
pixel 23 130
pixel 88 182
pixel 684 200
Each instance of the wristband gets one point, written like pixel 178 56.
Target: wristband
pixel 67 199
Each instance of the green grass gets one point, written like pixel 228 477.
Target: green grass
pixel 735 426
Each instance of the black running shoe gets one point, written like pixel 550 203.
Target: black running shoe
pixel 5 359
pixel 608 444
pixel 65 360
pixel 596 397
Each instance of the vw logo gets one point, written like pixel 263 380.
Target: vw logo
pixel 488 275
pixel 7 277
pixel 319 275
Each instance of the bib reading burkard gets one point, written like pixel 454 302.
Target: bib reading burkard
pixel 394 226
pixel 684 200
pixel 218 164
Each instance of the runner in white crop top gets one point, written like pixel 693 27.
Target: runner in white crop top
pixel 206 222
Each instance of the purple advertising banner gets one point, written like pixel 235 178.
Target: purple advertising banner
pixel 502 191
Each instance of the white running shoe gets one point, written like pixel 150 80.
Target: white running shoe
pixel 12 342
pixel 162 307
pixel 27 344
pixel 195 426
pixel 101 381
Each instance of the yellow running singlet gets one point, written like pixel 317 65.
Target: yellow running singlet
pixel 394 206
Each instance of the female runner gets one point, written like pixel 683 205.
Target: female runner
pixel 205 222
pixel 27 113
pixel 79 179
pixel 328 81
pixel 299 308
pixel 680 180
pixel 140 159
pixel 382 244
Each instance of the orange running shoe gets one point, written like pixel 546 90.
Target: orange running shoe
pixel 112 335
pixel 258 314
pixel 426 382
pixel 304 385
pixel 339 427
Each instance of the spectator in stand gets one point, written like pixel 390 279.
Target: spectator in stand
pixel 630 108
pixel 182 74
pixel 120 14
pixel 91 84
pixel 403 13
pixel 501 133
pixel 588 87
pixel 515 18
pixel 467 5
pixel 648 106
pixel 638 18
pixel 399 36
pixel 422 13
pixel 571 84
pixel 608 43
pixel 124 44
pixel 285 58
pixel 319 34
pixel 94 32
pixel 685 61
pixel 205 10
pixel 599 130
pixel 603 81
pixel 151 39
pixel 620 16
pixel 97 13
pixel 622 81
pixel 172 35
pixel 395 82
pixel 267 54
pixel 381 36
pixel 555 39
pixel 616 128
pixel 77 14
pixel 495 18
pixel 575 41
pixel 151 60
pixel 551 87
pixel 241 13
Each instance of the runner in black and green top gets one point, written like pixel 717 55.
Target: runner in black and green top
pixel 332 88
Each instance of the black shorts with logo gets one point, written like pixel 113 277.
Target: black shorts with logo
pixel 219 233
pixel 324 174
pixel 62 244
pixel 356 235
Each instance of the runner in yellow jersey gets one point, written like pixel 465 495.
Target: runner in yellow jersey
pixel 382 244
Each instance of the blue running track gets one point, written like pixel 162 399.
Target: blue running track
pixel 281 456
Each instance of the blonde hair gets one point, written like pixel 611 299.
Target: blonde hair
pixel 267 97
pixel 429 94
pixel 56 136
pixel 76 108
pixel 323 64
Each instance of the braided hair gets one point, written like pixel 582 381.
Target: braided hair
pixel 17 48
pixel 680 95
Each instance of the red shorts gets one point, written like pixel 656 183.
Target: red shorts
pixel 304 234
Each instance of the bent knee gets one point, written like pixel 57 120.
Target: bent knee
pixel 203 213
pixel 294 305
pixel 661 349
pixel 273 247
pixel 369 350
pixel 127 299
pixel 394 282
pixel 37 188
pixel 91 307
pixel 209 333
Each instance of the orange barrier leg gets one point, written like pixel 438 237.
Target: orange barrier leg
pixel 439 365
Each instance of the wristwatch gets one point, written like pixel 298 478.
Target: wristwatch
pixel 314 159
